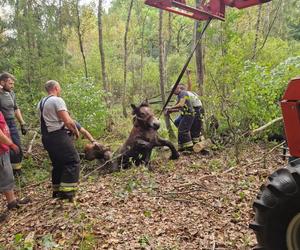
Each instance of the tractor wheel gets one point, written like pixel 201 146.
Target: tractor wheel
pixel 277 211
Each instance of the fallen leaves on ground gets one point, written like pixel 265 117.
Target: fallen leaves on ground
pixel 196 202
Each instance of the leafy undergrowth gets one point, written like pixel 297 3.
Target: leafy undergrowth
pixel 196 202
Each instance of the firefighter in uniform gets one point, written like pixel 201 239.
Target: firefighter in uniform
pixel 54 117
pixel 184 105
pixel 196 129
pixel 197 125
pixel 10 110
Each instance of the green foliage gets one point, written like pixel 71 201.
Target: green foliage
pixel 147 214
pixel 132 185
pixel 246 69
pixel 88 241
pixel 85 100
pixel 215 165
pixel 259 92
pixel 144 241
pixel 24 243
pixel 33 171
pixel 48 243
pixel 18 238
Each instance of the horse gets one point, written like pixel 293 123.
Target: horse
pixel 142 139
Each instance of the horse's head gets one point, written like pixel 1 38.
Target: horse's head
pixel 144 117
pixel 97 151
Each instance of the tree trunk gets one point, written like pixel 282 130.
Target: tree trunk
pixel 125 59
pixel 61 34
pixel 80 38
pixel 30 43
pixel 257 28
pixel 168 44
pixel 101 50
pixel 142 54
pixel 162 74
pixel 199 55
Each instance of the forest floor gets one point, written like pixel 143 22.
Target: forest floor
pixel 196 202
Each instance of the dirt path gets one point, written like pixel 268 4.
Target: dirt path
pixel 192 203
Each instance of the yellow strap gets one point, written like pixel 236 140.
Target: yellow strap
pixel 17 166
pixel 187 144
pixel 64 184
pixel 68 189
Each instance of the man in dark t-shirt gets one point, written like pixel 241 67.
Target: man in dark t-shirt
pixel 184 105
pixel 11 112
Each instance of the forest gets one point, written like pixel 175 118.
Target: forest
pixel 109 54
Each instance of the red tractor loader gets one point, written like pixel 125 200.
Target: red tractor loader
pixel 277 206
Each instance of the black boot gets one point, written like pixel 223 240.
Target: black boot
pixel 68 196
pixel 24 201
pixel 16 204
pixel 56 194
pixel 13 205
pixel 17 172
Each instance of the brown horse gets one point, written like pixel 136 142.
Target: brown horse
pixel 138 147
pixel 143 138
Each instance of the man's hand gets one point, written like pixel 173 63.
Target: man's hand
pixel 14 148
pixel 24 129
pixel 167 111
pixel 95 143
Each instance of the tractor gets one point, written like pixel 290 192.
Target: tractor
pixel 277 205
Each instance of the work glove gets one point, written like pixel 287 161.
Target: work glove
pixel 14 148
pixel 24 129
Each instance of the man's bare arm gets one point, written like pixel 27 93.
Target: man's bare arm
pixel 68 121
pixel 4 139
pixel 19 116
pixel 180 104
pixel 87 135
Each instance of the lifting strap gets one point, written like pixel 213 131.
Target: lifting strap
pixel 185 66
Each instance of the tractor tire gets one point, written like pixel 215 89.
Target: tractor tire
pixel 277 211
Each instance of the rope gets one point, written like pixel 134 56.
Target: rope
pixel 185 66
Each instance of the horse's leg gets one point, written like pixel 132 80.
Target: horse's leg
pixel 163 142
pixel 146 159
pixel 146 155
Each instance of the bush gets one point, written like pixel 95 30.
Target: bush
pixel 85 101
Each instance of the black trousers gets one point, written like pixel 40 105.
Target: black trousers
pixel 65 160
pixel 184 132
pixel 196 127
